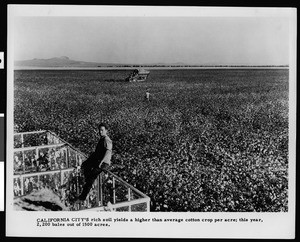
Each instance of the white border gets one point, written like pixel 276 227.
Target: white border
pixel 146 11
pixel 275 225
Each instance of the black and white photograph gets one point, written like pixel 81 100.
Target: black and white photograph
pixel 151 113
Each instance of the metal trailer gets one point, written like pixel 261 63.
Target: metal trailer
pixel 42 159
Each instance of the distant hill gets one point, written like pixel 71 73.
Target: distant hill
pixel 62 61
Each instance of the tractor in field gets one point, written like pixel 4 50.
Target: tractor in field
pixel 138 75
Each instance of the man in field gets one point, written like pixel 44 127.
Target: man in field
pixel 98 162
pixel 147 96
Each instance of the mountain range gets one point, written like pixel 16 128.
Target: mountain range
pixel 62 61
pixel 66 62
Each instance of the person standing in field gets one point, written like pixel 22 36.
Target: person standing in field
pixel 98 162
pixel 147 96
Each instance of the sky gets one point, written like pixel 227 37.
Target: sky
pixel 150 40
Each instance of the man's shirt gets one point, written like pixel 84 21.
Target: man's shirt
pixel 104 150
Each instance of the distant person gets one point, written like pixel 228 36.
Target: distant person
pixel 98 162
pixel 147 96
